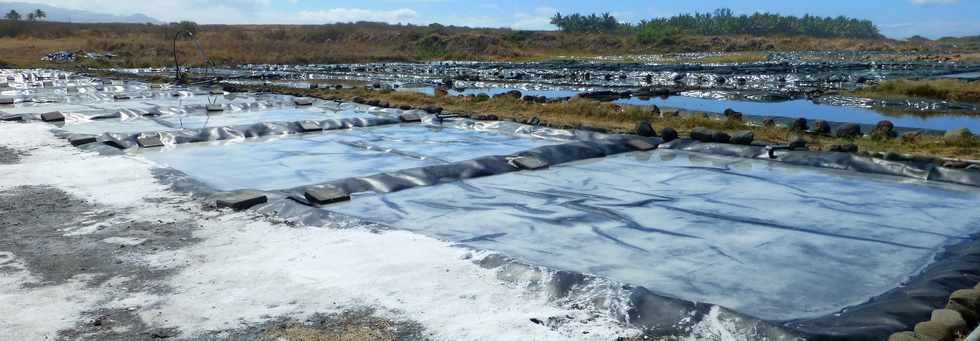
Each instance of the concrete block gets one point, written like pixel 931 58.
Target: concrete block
pixel 410 118
pixel 639 144
pixel 242 200
pixel 6 100
pixel 121 97
pixel 149 141
pixel 47 84
pixel 325 195
pixel 53 116
pixel 529 163
pixel 303 101
pixel 308 126
pixel 82 139
pixel 11 118
pixel 156 86
pixel 215 107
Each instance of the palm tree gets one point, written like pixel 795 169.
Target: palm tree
pixel 39 14
pixel 12 15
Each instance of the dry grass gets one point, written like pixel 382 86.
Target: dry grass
pixel 736 58
pixel 942 89
pixel 143 45
pixel 349 333
pixel 580 112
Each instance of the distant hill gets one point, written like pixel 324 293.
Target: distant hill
pixel 71 15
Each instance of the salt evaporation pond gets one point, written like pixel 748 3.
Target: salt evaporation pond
pixel 792 108
pixel 280 163
pixel 772 241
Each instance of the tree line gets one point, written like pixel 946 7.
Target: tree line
pixel 724 22
pixel 36 15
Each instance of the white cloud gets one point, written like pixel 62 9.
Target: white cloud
pixel 540 19
pixel 335 15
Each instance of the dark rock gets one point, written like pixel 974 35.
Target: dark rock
pixel 655 110
pixel 956 164
pixel 769 123
pixel 325 195
pixel 844 148
pixel 722 137
pixel 797 143
pixel 821 127
pixel 359 100
pixel 432 109
pixel 82 139
pixel 743 137
pixel 534 121
pixel 884 129
pixel 604 96
pixel 849 131
pixel 374 103
pixel 733 115
pixel 6 100
pixel 512 94
pixel 120 97
pixel 53 116
pixel 800 124
pixel 405 107
pixel 703 134
pixel 241 200
pixel 409 118
pixel 303 101
pixel 529 163
pixel 645 129
pixel 668 134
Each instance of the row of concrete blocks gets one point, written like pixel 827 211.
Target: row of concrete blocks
pixel 320 195
pixel 154 140
pixel 956 320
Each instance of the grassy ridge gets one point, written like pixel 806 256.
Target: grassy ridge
pixel 581 112
pixel 942 89
pixel 138 45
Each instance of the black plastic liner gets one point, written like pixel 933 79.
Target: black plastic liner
pixel 837 160
pixel 896 310
pixel 126 141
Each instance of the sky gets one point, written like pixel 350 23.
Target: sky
pixel 895 18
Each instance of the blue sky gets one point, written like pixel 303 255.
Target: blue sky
pixel 896 18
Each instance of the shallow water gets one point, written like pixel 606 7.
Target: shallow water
pixel 791 109
pixel 812 111
pixel 281 163
pixel 769 240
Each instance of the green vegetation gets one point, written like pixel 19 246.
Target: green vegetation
pixel 725 22
pixel 12 15
pixel 721 22
pixel 941 89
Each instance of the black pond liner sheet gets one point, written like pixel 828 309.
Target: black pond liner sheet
pixel 276 162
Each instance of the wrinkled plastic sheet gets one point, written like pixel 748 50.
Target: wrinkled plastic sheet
pixel 286 162
pixel 836 160
pixel 772 241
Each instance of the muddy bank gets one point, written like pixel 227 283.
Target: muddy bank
pixel 45 234
pixel 10 155
pixel 353 325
